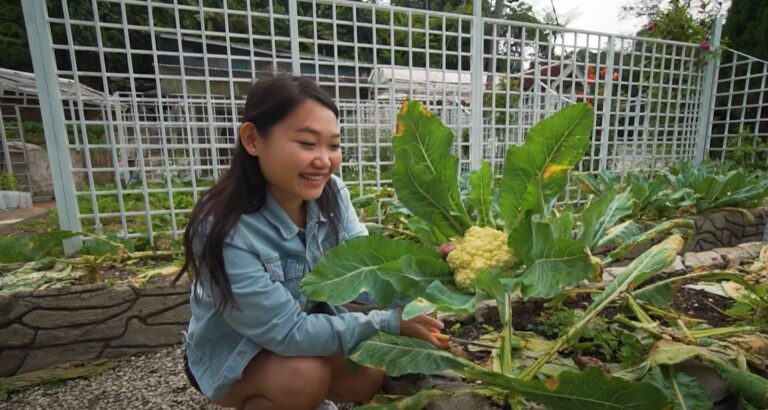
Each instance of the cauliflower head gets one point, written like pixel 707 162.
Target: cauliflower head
pixel 479 249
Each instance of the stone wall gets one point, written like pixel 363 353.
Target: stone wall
pixel 728 228
pixel 48 327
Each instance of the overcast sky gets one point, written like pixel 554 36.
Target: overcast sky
pixel 595 15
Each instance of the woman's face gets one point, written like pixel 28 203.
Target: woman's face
pixel 299 155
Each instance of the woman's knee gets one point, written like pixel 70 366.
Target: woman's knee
pixel 303 382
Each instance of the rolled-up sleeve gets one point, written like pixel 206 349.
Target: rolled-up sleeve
pixel 265 312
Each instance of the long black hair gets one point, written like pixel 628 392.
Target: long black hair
pixel 243 188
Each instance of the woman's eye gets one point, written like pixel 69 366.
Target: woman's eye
pixel 306 144
pixel 335 147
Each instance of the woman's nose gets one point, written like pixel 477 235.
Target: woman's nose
pixel 322 160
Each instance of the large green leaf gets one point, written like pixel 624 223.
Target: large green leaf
pixel 536 172
pixel 594 389
pixel 383 267
pixel 425 173
pixel 398 355
pixel 553 264
pixel 480 195
pixel 588 389
pixel 438 297
pixel 680 388
pixel 603 213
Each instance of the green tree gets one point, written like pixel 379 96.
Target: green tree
pixel 746 27
pixel 13 37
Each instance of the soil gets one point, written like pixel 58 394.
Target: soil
pixel 703 305
pixel 697 304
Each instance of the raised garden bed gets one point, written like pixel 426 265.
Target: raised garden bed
pixel 39 329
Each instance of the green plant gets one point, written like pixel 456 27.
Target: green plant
pixel 748 151
pixel 8 182
pixel 553 251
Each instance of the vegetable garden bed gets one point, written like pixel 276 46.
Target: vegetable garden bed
pixel 582 312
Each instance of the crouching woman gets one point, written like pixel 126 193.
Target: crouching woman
pixel 254 340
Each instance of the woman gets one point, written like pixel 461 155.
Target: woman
pixel 252 342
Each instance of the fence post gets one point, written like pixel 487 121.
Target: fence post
pixel 52 113
pixel 707 98
pixel 293 21
pixel 607 106
pixel 476 129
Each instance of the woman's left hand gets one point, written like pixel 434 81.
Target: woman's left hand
pixel 421 327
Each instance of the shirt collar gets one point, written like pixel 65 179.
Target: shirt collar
pixel 275 214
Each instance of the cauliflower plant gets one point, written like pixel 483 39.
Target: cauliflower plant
pixel 479 249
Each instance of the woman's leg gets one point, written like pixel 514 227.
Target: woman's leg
pixel 271 381
pixel 355 386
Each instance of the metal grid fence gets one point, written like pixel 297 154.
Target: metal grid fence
pixel 739 127
pixel 174 75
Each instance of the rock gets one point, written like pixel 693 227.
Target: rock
pixel 707 377
pixel 140 335
pixel 609 274
pixel 177 315
pixel 16 335
pixel 10 361
pixel 733 256
pixel 107 297
pixel 6 307
pixel 52 319
pixel 92 331
pixel 703 260
pixel 47 357
pixel 753 248
pixel 676 268
pixel 148 306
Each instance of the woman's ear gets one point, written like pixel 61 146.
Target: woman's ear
pixel 248 138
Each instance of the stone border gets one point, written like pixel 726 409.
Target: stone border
pixel 728 228
pixel 49 327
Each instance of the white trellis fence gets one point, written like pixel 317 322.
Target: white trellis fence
pixel 174 74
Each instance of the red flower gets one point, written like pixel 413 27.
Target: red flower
pixel 650 26
pixel 602 72
pixel 704 46
pixel 615 76
pixel 591 77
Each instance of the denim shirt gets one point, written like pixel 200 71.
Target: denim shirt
pixel 265 260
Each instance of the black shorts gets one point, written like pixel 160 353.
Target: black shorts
pixel 190 376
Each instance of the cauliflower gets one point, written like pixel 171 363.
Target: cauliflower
pixel 479 249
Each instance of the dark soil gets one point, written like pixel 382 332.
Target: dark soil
pixel 527 316
pixel 703 305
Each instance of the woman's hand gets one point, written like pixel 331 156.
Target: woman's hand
pixel 445 249
pixel 421 327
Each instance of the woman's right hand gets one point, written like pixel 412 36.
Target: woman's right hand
pixel 421 327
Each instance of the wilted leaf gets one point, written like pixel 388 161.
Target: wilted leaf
pixel 603 213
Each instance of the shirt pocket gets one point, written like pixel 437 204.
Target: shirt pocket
pixel 288 271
